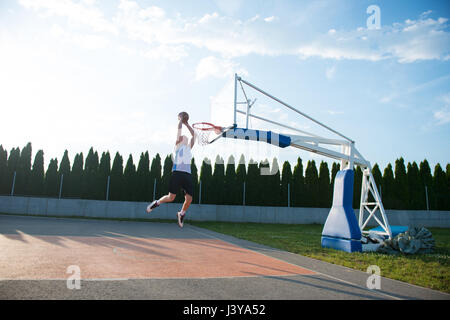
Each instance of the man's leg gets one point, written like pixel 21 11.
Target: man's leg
pixel 182 213
pixel 187 202
pixel 167 198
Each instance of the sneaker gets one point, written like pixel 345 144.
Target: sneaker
pixel 152 206
pixel 180 219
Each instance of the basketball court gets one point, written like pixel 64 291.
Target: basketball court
pixel 144 260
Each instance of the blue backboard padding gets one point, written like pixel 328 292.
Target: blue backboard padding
pixel 270 137
pixel 341 244
pixel 341 221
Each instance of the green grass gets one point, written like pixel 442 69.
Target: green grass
pixel 426 270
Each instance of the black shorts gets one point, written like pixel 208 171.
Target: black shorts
pixel 180 179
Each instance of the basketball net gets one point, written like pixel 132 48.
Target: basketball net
pixel 203 130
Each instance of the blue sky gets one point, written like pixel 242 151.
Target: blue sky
pixel 115 74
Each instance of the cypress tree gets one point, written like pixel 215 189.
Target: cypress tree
pixel 37 175
pixel 230 183
pixel 104 170
pixel 251 187
pixel 312 184
pixel 206 181
pixel 414 187
pixel 217 191
pixel 241 177
pixel 76 177
pixel 275 184
pixel 13 163
pixel 194 174
pixel 23 171
pixel 286 179
pixel 440 188
pixel 447 173
pixel 167 172
pixel 51 179
pixel 143 178
pixel 426 180
pixel 357 184
pixel 129 180
pixel 335 167
pixel 155 174
pixel 401 184
pixel 376 173
pixel 64 173
pixel 262 185
pixel 3 171
pixel 324 185
pixel 90 176
pixel 116 180
pixel 298 185
pixel 334 170
pixel 388 187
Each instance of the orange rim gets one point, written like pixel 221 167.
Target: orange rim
pixel 205 126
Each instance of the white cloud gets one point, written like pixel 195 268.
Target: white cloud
pixel 171 53
pixel 208 17
pixel 406 42
pixel 87 41
pixel 442 116
pixel 270 19
pixel 334 112
pixel 330 72
pixel 413 40
pixel 214 67
pixel 81 13
pixel 220 34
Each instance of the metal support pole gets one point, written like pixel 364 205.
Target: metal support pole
pixel 154 190
pixel 243 196
pixel 235 97
pixel 289 195
pixel 426 195
pixel 13 184
pixel 60 185
pixel 200 193
pixel 293 109
pixel 107 188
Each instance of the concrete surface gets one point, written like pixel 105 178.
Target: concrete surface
pixel 326 281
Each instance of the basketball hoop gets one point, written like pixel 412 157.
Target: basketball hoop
pixel 203 130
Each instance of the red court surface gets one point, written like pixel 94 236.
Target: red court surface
pixel 43 257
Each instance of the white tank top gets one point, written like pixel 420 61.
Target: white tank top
pixel 182 159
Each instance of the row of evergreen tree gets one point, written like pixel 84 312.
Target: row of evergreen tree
pixel 401 187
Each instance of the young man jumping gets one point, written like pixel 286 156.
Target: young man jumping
pixel 181 170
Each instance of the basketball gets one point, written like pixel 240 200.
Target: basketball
pixel 183 116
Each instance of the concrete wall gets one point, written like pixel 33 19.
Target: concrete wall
pixel 204 212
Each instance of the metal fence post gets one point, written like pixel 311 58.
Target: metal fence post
pixel 426 195
pixel 107 188
pixel 243 196
pixel 200 193
pixel 154 189
pixel 13 184
pixel 289 195
pixel 60 185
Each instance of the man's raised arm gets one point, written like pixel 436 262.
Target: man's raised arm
pixel 192 133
